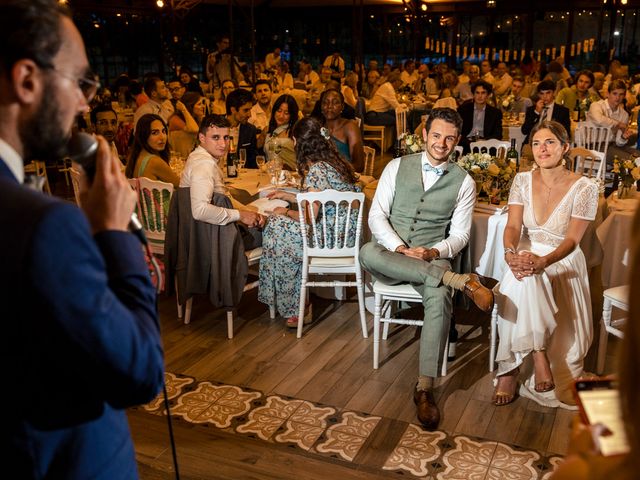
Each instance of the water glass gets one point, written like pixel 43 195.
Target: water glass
pixel 260 161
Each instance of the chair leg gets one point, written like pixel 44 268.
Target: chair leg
pixel 376 329
pixel 303 298
pixel 230 313
pixel 272 312
pixel 187 313
pixel 390 310
pixel 493 338
pixel 363 315
pixel 177 298
pixel 602 345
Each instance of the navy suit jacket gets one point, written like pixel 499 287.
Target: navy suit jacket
pixel 81 339
pixel 248 140
pixel 492 123
pixel 560 114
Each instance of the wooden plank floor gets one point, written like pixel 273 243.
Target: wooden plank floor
pixel 331 365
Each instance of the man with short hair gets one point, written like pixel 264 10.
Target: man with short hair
pixel 272 60
pixel 465 88
pixel 610 113
pixel 580 92
pixel 502 80
pixel 479 119
pixel 383 105
pixel 371 85
pixel 464 76
pixel 105 122
pixel 222 44
pixel 425 84
pixel 203 175
pixel 158 103
pixel 409 75
pixel 485 71
pixel 421 219
pixel 519 103
pixel 310 76
pixel 83 343
pixel 261 111
pixel 176 89
pixel 545 109
pixel 239 104
pixel 336 65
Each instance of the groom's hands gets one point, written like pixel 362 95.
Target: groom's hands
pixel 421 253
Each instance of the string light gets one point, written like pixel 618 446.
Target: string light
pixel 160 3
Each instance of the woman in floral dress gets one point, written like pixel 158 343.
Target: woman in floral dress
pixel 320 168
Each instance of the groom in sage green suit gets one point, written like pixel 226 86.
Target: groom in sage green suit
pixel 421 219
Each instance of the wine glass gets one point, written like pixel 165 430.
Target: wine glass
pixel 242 159
pixel 260 161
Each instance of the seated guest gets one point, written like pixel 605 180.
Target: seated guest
pixel 480 121
pixel 261 111
pixel 320 168
pixel 182 135
pixel 219 105
pixel 176 89
pixel 544 305
pixel 545 109
pixel 282 80
pixel 519 103
pixel 371 85
pixel 348 111
pixel 409 75
pixel 239 103
pixel 345 133
pixel 350 89
pixel 464 89
pixel 202 174
pixel 580 92
pixel 158 102
pixel 279 143
pixel 610 113
pixel 308 76
pixel 182 118
pixel 383 105
pixel 425 85
pixel 502 80
pixel 149 156
pixel 105 123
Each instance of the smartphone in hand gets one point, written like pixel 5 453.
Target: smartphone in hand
pixel 599 403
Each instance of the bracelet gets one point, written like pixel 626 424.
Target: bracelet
pixel 509 250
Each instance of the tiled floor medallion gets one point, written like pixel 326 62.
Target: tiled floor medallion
pixel 305 425
pixel 414 451
pixel 175 386
pixel 347 437
pixel 216 404
pixel 264 421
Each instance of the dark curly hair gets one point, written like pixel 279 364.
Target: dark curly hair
pixel 312 147
pixel 293 111
pixel 141 142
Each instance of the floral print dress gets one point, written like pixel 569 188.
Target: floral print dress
pixel 281 262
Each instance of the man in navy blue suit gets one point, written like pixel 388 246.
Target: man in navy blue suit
pixel 81 338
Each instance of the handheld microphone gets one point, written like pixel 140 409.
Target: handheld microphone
pixel 82 149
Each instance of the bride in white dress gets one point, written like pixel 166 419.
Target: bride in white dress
pixel 544 307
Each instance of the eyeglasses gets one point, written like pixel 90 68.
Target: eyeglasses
pixel 88 84
pixel 176 89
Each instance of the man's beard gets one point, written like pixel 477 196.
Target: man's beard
pixel 42 135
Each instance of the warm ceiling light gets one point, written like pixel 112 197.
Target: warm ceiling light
pixel 491 3
pixel 160 3
pixel 423 7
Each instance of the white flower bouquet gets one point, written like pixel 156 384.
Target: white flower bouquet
pixel 492 175
pixel 412 143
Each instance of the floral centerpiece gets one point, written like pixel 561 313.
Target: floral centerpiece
pixel 628 172
pixel 412 143
pixel 493 175
pixel 507 102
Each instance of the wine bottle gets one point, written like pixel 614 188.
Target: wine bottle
pixel 232 160
pixel 512 154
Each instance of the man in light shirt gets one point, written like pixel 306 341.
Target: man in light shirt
pixel 421 219
pixel 502 80
pixel 409 75
pixel 158 104
pixel 272 59
pixel 261 111
pixel 202 173
pixel 383 105
pixel 485 72
pixel 519 103
pixel 611 113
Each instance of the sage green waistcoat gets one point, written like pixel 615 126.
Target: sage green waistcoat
pixel 422 218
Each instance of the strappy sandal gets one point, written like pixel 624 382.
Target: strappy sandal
pixel 501 397
pixel 547 384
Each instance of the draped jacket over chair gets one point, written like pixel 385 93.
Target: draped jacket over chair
pixel 204 258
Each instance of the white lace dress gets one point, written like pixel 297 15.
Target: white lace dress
pixel 551 309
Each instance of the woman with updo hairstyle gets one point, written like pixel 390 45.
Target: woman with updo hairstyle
pixel 320 167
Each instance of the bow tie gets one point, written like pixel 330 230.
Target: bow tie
pixel 439 171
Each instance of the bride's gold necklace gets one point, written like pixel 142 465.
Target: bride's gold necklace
pixel 548 188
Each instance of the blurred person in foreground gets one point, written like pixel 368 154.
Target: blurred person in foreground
pixel 83 342
pixel 583 460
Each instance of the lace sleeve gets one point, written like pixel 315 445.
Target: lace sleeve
pixel 516 193
pixel 585 203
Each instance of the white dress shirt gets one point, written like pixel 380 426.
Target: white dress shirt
pixel 409 79
pixel 164 110
pixel 12 160
pixel 380 211
pixel 601 114
pixel 203 175
pixel 259 118
pixel 384 99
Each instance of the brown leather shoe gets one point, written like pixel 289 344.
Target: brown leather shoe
pixel 478 293
pixel 427 410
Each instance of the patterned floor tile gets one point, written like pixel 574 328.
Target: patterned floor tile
pixel 521 462
pixel 216 404
pixel 312 415
pixel 175 386
pixel 264 426
pixel 278 407
pixel 497 474
pixel 553 463
pixel 355 424
pixel 416 438
pixel 472 451
pixel 458 468
pixel 303 435
pixel 345 445
pixel 411 460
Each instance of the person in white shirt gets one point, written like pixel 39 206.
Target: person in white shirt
pixel 310 77
pixel 421 219
pixel 383 105
pixel 464 76
pixel 158 103
pixel 336 63
pixel 502 81
pixel 610 113
pixel 409 75
pixel 464 88
pixel 261 111
pixel 272 59
pixel 485 72
pixel 203 175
